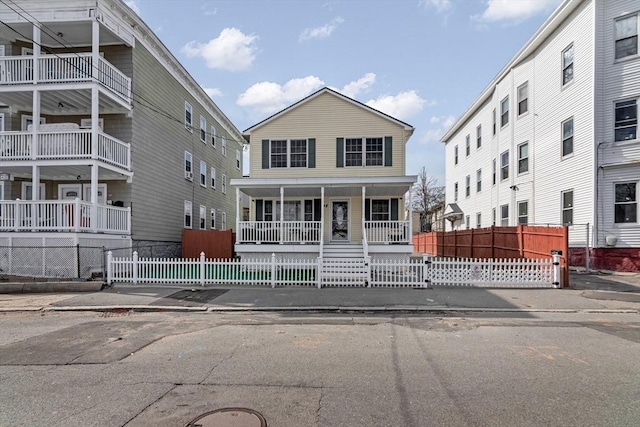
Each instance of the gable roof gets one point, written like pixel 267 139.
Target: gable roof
pixel 544 32
pixel 303 101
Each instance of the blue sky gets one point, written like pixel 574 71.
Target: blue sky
pixel 423 61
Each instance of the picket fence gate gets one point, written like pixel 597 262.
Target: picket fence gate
pixel 275 271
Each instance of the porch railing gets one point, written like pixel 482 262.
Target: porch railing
pixel 74 144
pixel 271 232
pixel 63 215
pixel 387 231
pixel 64 68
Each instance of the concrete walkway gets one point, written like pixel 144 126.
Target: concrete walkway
pixel 589 293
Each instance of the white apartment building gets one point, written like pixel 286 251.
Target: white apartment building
pixel 553 138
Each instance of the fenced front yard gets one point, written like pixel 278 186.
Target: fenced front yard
pixel 275 271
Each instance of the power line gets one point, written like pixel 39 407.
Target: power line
pixel 137 98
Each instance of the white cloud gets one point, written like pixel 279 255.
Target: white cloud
pixel 441 125
pixel 269 97
pixel 321 32
pixel 354 88
pixel 213 91
pixel 441 6
pixel 231 50
pixel 132 4
pixel 513 11
pixel 401 106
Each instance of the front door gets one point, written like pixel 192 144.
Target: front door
pixel 69 191
pixel 340 221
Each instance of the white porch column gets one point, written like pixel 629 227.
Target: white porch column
pixel 94 197
pixel 35 126
pixel 281 214
pixel 364 193
pixel 238 208
pixel 410 233
pixel 321 220
pixel 36 54
pixel 95 48
pixel 95 93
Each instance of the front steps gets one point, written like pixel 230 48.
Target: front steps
pixel 343 265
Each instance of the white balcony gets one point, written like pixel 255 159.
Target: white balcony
pixel 387 232
pixel 302 232
pixel 63 215
pixel 65 68
pixel 73 144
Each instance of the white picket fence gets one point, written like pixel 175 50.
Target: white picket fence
pixel 275 271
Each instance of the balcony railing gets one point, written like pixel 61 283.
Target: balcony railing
pixel 272 232
pixel 64 68
pixel 387 231
pixel 75 144
pixel 63 215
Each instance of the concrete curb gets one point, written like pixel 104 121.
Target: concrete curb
pixel 49 287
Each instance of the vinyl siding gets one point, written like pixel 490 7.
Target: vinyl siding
pixel 325 118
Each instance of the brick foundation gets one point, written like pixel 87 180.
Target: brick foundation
pixel 615 259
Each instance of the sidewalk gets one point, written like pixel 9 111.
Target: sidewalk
pixel 589 293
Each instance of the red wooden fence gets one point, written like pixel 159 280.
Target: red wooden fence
pixel 214 243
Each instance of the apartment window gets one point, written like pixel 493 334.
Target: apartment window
pixel 289 153
pixel 213 219
pixel 567 65
pixel 188 116
pixel 203 217
pixel 455 155
pixel 567 207
pixel 468 145
pixel 478 220
pixel 479 136
pixel 203 129
pixel 493 216
pixel 493 118
pixel 455 192
pixel 504 112
pixel 567 137
pixel 203 173
pixel 478 180
pixel 223 143
pixel 523 212
pixel 467 221
pixel 626 36
pixel 380 210
pixel 224 184
pixel 626 203
pixel 308 210
pixel 223 218
pixel 292 210
pixel 626 125
pixel 188 169
pixel 504 165
pixel 493 172
pixel 467 188
pixel 213 177
pixel 504 215
pixel 213 136
pixel 238 159
pixel 369 154
pixel 523 158
pixel 268 210
pixel 523 98
pixel 187 214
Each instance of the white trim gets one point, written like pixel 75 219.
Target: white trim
pixel 328 181
pixel 62 188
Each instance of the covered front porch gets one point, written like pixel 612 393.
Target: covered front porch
pixel 323 212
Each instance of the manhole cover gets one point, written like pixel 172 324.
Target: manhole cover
pixel 229 417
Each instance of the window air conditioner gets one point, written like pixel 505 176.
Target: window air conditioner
pixel 188 175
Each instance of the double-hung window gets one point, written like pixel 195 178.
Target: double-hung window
pixel 567 137
pixel 203 129
pixel 203 173
pixel 238 159
pixel 213 177
pixel 224 183
pixel 493 172
pixel 455 155
pixel 467 221
pixel 467 188
pixel 223 143
pixel 493 118
pixel 504 165
pixel 479 136
pixel 626 203
pixel 626 124
pixel 380 210
pixel 353 151
pixel 375 152
pixel 478 220
pixel 213 136
pixel 188 213
pixel 188 116
pixel 364 151
pixel 523 212
pixel 504 112
pixel 203 217
pixel 504 215
pixel 213 219
pixel 523 98
pixel 455 192
pixel 188 168
pixel 223 218
pixel 567 207
pixel 288 153
pixel 478 180
pixel 292 210
pixel 523 158
pixel 567 65
pixel 467 145
pixel 626 36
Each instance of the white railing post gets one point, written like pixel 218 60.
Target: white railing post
pixel 426 271
pixel 202 268
pixel 16 215
pixel 556 268
pixel 319 272
pixel 273 270
pixel 367 267
pixel 109 267
pixel 76 214
pixel 134 267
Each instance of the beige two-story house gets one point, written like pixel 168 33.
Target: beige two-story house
pixel 327 179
